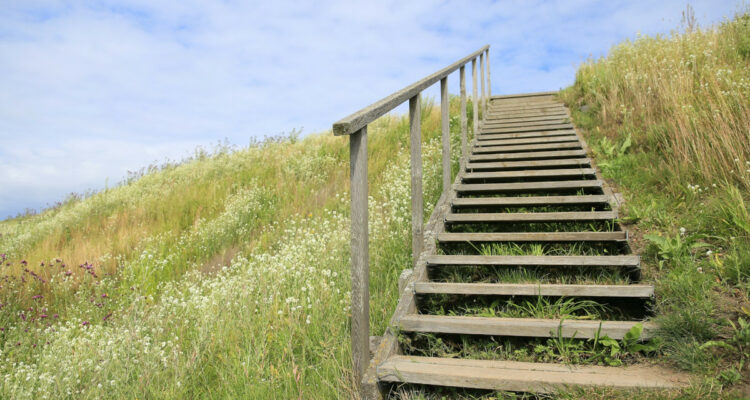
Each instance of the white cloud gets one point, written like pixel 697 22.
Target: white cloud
pixel 111 82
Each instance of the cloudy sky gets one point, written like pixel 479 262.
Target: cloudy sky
pixel 90 90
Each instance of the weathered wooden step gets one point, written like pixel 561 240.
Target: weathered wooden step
pixel 534 289
pixel 499 115
pixel 526 186
pixel 541 139
pixel 498 118
pixel 526 147
pixel 527 106
pixel 461 237
pixel 530 217
pixel 552 261
pixel 528 201
pixel 526 128
pixel 522 327
pixel 493 124
pixel 536 155
pixel 534 173
pixel 518 376
pixel 528 164
pixel 521 135
pixel 499 98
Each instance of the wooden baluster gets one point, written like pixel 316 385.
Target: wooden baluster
pixel 445 125
pixel 489 85
pixel 463 110
pixel 483 99
pixel 417 212
pixel 360 254
pixel 475 106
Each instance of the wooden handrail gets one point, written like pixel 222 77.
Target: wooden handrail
pixel 355 126
pixel 355 121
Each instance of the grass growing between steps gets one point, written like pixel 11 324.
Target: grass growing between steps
pixel 533 249
pixel 225 276
pixel 667 119
pixel 592 226
pixel 601 350
pixel 535 274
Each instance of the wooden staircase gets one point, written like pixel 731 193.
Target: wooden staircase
pixel 526 180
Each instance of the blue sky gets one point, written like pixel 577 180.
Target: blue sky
pixel 91 90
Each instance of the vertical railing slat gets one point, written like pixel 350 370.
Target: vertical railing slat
pixel 463 110
pixel 417 212
pixel 489 83
pixel 360 254
pixel 483 99
pixel 445 126
pixel 475 106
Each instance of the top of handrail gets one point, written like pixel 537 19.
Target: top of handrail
pixel 359 119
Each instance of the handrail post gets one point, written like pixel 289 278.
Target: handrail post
pixel 463 110
pixel 475 107
pixel 481 71
pixel 417 212
pixel 360 254
pixel 445 125
pixel 489 83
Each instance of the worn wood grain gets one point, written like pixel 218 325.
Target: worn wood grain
pixel 535 289
pixel 583 261
pixel 524 376
pixel 526 147
pixel 535 155
pixel 417 204
pixel 532 237
pixel 524 327
pixel 527 186
pixel 518 135
pixel 529 201
pixel 531 217
pixel 532 140
pixel 534 173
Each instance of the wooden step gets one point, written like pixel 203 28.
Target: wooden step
pixel 499 98
pixel 461 218
pixel 541 139
pixel 534 289
pixel 528 201
pixel 526 186
pixel 534 173
pixel 521 135
pixel 538 155
pixel 494 124
pixel 518 376
pixel 498 115
pixel 527 106
pixel 461 237
pixel 528 164
pixel 521 327
pixel 526 147
pixel 526 119
pixel 527 261
pixel 526 129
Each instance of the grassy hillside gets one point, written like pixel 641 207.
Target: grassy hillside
pixel 224 276
pixel 668 119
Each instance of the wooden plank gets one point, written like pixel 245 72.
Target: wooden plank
pixel 520 135
pixel 359 119
pixel 475 100
pixel 528 201
pixel 537 140
pixel 528 164
pixel 489 83
pixel 526 147
pixel 518 376
pixel 553 261
pixel 521 327
pixel 503 124
pixel 532 237
pixel 360 254
pixel 481 73
pixel 534 173
pixel 500 98
pixel 526 107
pixel 528 155
pixel 531 217
pixel 535 289
pixel 527 114
pixel 528 128
pixel 528 119
pixel 526 186
pixel 417 210
pixel 464 122
pixel 445 130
